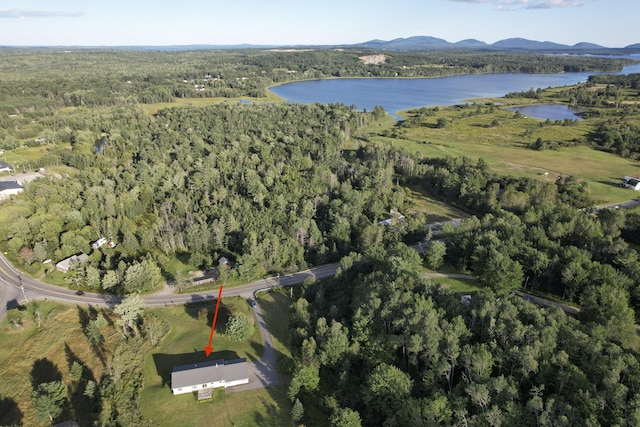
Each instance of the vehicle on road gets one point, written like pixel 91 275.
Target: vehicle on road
pixel 252 302
pixel 80 293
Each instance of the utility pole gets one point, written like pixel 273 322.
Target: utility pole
pixel 22 289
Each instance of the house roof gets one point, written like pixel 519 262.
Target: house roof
pixel 5 165
pixel 10 185
pixel 208 372
pixel 67 263
pixel 633 182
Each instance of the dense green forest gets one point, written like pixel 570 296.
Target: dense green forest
pixel 268 186
pixel 377 345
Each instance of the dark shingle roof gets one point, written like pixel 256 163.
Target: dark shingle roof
pixel 207 372
pixel 9 185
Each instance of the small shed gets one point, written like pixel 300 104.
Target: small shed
pixel 208 375
pixel 5 167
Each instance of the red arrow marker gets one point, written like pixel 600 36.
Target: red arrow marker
pixel 208 349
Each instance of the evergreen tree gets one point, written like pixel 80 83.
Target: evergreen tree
pixel 48 399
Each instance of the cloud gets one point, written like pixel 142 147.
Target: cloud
pixel 21 14
pixel 526 4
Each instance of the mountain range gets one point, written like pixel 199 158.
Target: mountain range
pixel 416 43
pixel 433 43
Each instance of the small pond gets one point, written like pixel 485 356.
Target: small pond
pixel 548 111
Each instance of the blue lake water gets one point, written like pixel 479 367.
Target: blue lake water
pixel 548 111
pixel 401 94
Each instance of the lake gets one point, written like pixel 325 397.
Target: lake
pixel 548 111
pixel 402 94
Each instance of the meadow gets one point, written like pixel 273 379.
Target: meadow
pixel 504 139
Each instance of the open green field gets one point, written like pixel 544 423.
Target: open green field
pixel 184 344
pixel 504 147
pixel 435 210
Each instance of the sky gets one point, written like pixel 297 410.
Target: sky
pixel 610 23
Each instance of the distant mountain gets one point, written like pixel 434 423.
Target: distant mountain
pixel 433 43
pixel 471 43
pixel 411 43
pixel 584 45
pixel 518 43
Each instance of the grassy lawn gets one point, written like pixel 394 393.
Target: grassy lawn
pixel 185 343
pixel 26 157
pixel 435 210
pixel 457 285
pixel 39 354
pixel 275 307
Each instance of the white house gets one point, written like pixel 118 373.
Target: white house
pixel 208 375
pixel 9 188
pixel 631 182
pixel 69 263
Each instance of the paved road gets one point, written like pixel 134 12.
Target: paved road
pixel 542 302
pixel 624 205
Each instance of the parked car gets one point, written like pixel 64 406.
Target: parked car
pixel 252 302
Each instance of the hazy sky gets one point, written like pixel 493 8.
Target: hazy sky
pixel 611 23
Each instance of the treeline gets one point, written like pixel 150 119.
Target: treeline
pixel 84 77
pixel 536 235
pixel 269 186
pixel 377 345
pixel 616 100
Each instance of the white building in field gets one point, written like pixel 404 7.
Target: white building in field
pixel 631 182
pixel 208 375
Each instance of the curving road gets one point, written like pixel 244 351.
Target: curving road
pixel 12 281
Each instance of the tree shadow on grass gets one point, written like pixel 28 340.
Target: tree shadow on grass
pixel 44 371
pixel 166 362
pixel 79 407
pixel 206 310
pixel 10 413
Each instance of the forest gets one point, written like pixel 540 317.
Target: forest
pixel 379 345
pixel 277 188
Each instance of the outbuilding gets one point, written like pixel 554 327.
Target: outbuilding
pixel 9 188
pixel 209 375
pixel 631 182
